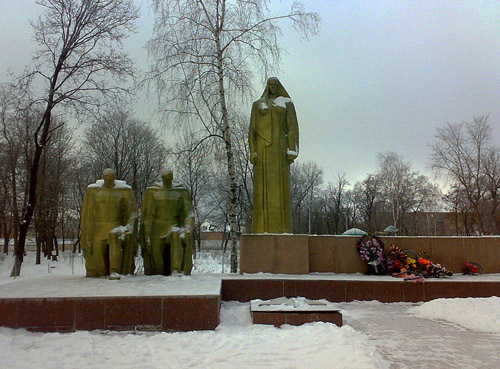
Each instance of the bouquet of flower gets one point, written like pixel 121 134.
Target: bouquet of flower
pixel 371 250
pixel 472 268
pixel 429 269
pixel 411 264
pixel 394 259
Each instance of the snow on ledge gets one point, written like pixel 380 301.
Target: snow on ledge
pixel 53 286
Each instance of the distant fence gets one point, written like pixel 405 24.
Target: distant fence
pixel 209 241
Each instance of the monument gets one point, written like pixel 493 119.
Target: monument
pixel 274 145
pixel 108 227
pixel 166 227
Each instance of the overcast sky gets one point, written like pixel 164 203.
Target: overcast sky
pixel 380 76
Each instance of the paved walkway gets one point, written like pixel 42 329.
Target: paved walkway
pixel 410 342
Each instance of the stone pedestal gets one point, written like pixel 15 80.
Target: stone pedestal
pixel 294 311
pixel 274 253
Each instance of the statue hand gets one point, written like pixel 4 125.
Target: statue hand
pixel 291 156
pixel 253 158
pixel 130 228
pixel 148 245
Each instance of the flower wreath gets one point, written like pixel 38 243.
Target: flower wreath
pixel 371 250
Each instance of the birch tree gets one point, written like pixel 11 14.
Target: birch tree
pixel 78 57
pixel 203 53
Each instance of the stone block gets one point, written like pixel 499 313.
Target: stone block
pixel 413 292
pixel 484 289
pixel 46 314
pixel 449 252
pixel 348 260
pixel 322 254
pixel 434 289
pixel 333 291
pixel 190 313
pixel 289 288
pixel 482 251
pixel 8 313
pixel 89 314
pixel 380 291
pixel 331 317
pixel 300 318
pixel 292 254
pixel 276 319
pixel 128 313
pixel 257 253
pixel 245 290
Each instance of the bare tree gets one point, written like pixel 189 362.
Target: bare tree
pixel 132 148
pixel 305 182
pixel 193 167
pixel 334 202
pixel 52 188
pixel 403 190
pixel 77 55
pixel 393 194
pixel 367 195
pixel 464 155
pixel 17 128
pixel 203 53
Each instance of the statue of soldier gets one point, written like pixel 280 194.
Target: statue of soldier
pixel 166 228
pixel 109 224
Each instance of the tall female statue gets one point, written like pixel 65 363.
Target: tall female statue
pixel 274 145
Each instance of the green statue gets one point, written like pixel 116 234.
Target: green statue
pixel 166 229
pixel 274 145
pixel 109 223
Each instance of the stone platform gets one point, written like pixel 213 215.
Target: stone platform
pixel 350 287
pixel 69 303
pixel 156 303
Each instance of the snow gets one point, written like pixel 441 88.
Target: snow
pixel 236 343
pixel 409 341
pixel 444 333
pixel 120 231
pixel 480 314
pixel 119 184
pixel 140 285
pixel 292 304
pixel 281 101
pixel 493 277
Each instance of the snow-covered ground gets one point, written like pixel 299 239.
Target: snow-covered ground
pixel 444 333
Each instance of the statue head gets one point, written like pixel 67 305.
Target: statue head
pixel 109 178
pixel 167 177
pixel 274 88
pixel 272 85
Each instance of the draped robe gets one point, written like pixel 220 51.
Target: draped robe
pixel 273 135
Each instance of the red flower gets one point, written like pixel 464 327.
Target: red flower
pixel 396 265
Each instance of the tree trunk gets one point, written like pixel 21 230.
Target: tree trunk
pixel 63 229
pixel 6 233
pixel 233 198
pixel 33 179
pixel 55 246
pixel 38 251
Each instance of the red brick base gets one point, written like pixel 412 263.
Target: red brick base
pixel 278 318
pixel 179 313
pixel 244 289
